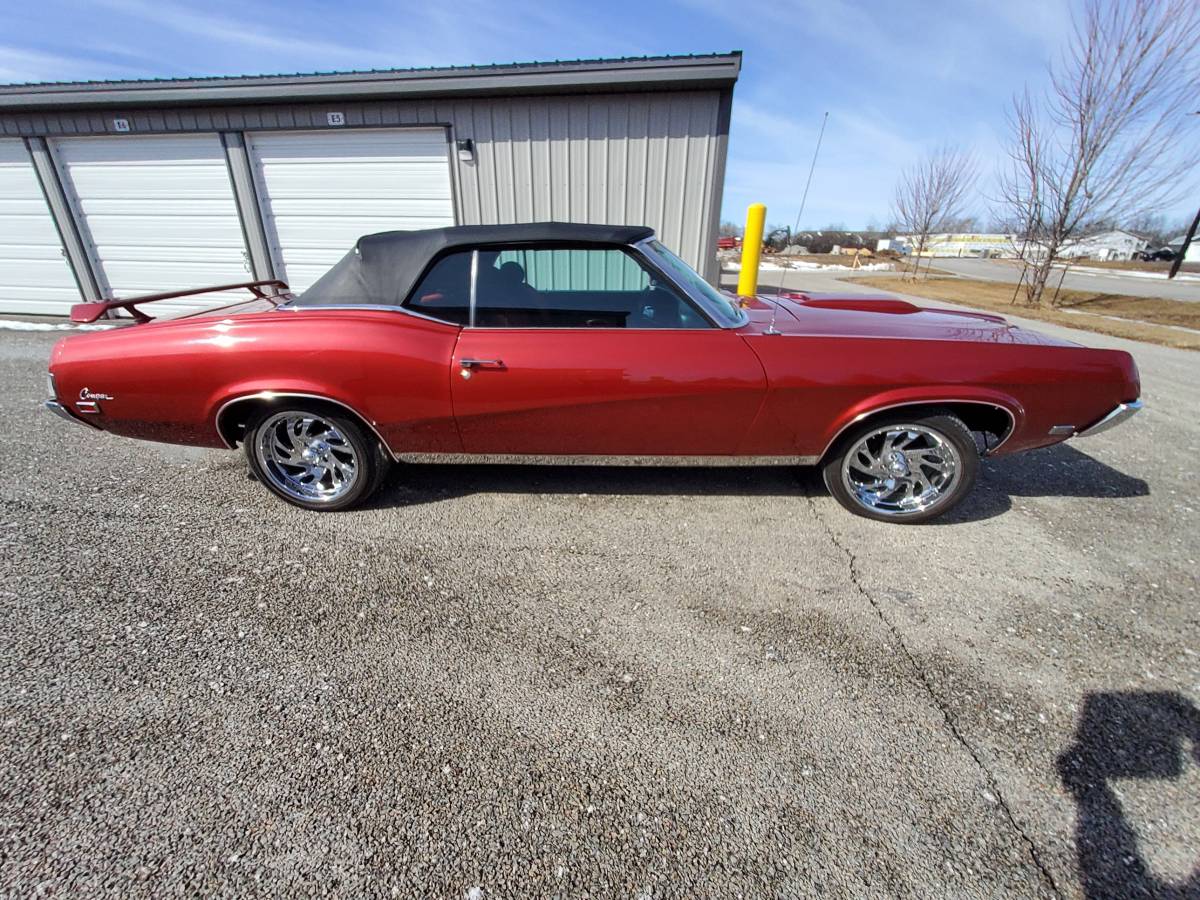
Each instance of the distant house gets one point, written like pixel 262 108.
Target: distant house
pixel 1104 245
pixel 1193 253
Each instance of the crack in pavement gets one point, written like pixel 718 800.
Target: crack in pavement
pixel 951 726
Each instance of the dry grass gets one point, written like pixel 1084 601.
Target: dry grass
pixel 1136 318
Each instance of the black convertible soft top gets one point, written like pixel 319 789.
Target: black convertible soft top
pixel 383 268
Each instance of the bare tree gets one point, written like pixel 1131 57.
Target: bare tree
pixel 930 194
pixel 1109 139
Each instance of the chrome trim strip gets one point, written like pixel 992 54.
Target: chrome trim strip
pixel 1119 414
pixel 582 459
pixel 861 416
pixel 474 288
pixel 271 395
pixel 63 413
pixel 1061 430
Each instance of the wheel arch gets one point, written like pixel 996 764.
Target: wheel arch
pixel 234 414
pixel 991 415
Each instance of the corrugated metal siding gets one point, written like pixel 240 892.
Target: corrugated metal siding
pixel 34 275
pixel 577 270
pixel 623 160
pixel 652 158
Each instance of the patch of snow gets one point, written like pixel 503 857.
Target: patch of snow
pixel 1131 273
pixel 15 325
pixel 804 265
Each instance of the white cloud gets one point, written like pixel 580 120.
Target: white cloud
pixel 192 24
pixel 18 65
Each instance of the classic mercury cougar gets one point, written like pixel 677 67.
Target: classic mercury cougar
pixel 556 342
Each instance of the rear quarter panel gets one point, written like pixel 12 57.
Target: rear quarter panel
pixel 169 380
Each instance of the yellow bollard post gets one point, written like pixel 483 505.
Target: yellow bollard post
pixel 752 242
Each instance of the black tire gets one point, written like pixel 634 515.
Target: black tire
pixel 944 425
pixel 370 457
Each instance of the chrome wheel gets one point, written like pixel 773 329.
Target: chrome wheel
pixel 900 470
pixel 306 457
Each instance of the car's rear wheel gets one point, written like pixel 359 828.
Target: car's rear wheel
pixel 903 468
pixel 313 458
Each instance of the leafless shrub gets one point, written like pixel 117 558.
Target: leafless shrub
pixel 1109 139
pixel 930 195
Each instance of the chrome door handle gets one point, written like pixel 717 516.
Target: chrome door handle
pixel 481 363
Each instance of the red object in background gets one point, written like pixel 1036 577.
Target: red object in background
pixel 727 243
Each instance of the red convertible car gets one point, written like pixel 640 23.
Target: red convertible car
pixel 555 342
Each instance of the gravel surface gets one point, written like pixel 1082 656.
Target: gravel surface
pixel 523 681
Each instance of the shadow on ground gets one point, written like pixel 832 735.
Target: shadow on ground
pixel 1143 735
pixel 1060 471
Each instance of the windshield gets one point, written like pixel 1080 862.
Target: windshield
pixel 719 306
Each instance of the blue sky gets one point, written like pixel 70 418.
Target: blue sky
pixel 897 79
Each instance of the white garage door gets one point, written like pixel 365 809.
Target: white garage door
pixel 322 190
pixel 34 275
pixel 159 214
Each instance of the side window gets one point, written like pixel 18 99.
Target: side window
pixel 562 287
pixel 445 291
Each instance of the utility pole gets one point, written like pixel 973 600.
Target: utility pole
pixel 804 199
pixel 1187 242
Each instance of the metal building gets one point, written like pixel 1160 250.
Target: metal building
pixel 121 188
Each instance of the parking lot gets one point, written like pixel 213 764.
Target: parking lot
pixel 1081 277
pixel 532 681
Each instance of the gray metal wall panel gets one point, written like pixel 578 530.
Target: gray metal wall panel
pixel 241 176
pixel 653 158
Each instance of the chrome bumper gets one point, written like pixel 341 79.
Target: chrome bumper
pixel 1122 412
pixel 63 413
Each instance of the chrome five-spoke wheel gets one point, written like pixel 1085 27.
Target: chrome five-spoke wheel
pixel 904 469
pixel 307 457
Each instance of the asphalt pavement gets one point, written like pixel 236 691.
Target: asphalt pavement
pixel 1081 278
pixel 530 681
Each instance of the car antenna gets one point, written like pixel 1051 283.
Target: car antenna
pixel 771 329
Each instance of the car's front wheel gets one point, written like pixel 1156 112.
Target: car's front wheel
pixel 314 458
pixel 903 468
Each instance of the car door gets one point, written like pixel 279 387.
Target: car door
pixel 586 351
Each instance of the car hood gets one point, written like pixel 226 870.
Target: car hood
pixel 839 315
